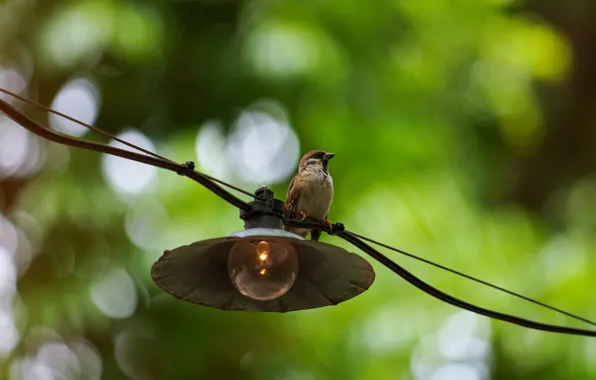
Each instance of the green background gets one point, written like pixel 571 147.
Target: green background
pixel 464 132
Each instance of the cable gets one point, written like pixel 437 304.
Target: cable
pixel 61 138
pixel 110 136
pixel 387 262
pixel 418 283
pixel 474 279
pixel 94 129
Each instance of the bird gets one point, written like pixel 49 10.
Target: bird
pixel 310 192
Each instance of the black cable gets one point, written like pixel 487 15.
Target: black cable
pixel 94 129
pixel 110 136
pixel 340 228
pixel 475 279
pixel 418 283
pixel 61 138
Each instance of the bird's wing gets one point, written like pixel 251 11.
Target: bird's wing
pixel 292 197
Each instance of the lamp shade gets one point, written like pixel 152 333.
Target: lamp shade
pixel 198 273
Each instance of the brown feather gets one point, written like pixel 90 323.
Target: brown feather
pixel 312 154
pixel 292 198
pixel 310 191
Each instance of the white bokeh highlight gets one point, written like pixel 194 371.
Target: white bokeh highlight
pixel 464 337
pixel 60 359
pixel 9 334
pixel 459 371
pixel 12 80
pixel 128 352
pixel 9 237
pixel 145 223
pixel 75 36
pixel 280 50
pixel 89 359
pixel 126 176
pixel 115 294
pixel 14 147
pixel 79 99
pixel 55 359
pixel 29 368
pixel 9 243
pixel 382 331
pixel 262 149
pixel 210 146
pixel 8 275
pixel 460 349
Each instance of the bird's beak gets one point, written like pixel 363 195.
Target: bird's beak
pixel 328 156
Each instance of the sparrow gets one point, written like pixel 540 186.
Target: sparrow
pixel 310 192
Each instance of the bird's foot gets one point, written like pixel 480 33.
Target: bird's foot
pixel 303 215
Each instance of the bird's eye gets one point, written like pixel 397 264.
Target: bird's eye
pixel 312 161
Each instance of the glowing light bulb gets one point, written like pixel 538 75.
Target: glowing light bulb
pixel 263 248
pixel 263 270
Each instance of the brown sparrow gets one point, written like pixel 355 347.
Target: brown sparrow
pixel 311 191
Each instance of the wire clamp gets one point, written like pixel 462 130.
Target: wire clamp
pixel 337 228
pixel 188 167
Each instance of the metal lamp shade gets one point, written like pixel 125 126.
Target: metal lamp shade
pixel 198 273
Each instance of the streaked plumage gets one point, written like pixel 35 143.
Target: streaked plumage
pixel 311 191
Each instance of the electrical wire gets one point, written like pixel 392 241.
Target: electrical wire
pixel 474 279
pixel 418 283
pixel 94 129
pixel 110 136
pixel 309 224
pixel 209 182
pixel 61 138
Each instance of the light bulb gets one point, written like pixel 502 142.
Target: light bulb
pixel 263 249
pixel 263 270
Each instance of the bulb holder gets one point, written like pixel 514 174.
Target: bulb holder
pixel 198 273
pixel 265 211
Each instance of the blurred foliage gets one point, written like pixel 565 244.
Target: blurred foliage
pixel 463 132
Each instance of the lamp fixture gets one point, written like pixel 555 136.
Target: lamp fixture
pixel 263 267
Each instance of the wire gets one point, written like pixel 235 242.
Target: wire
pixel 94 129
pixel 346 235
pixel 209 182
pixel 418 283
pixel 474 279
pixel 61 138
pixel 110 136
